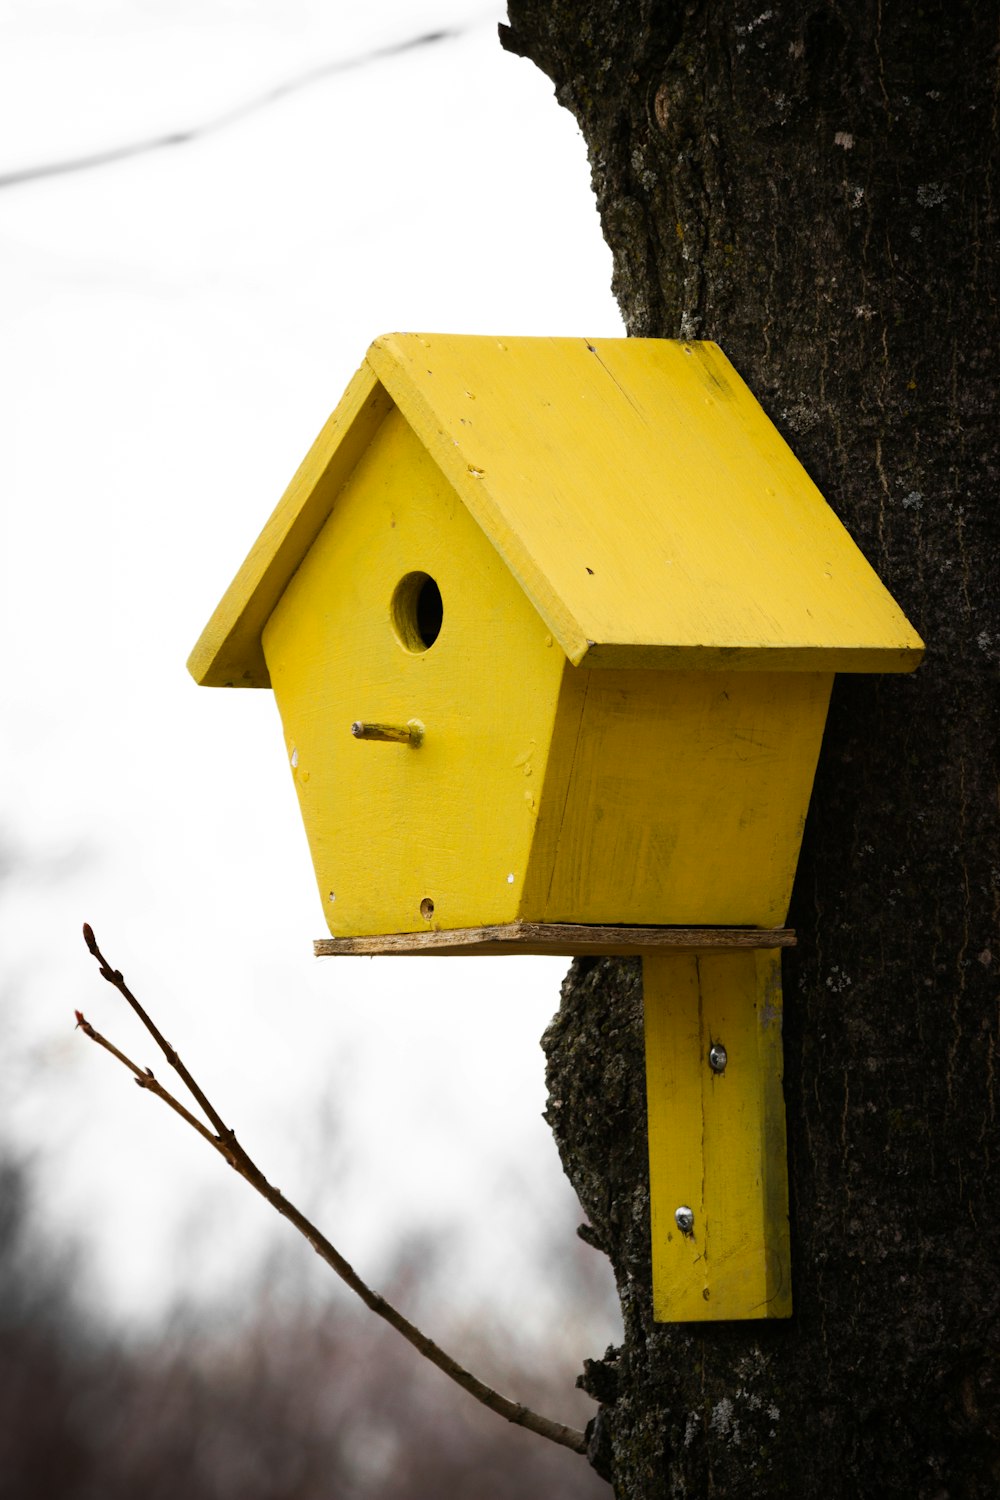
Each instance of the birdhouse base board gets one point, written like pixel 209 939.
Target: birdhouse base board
pixel 569 940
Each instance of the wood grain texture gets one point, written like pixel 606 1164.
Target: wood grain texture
pixel 634 489
pixel 541 792
pixel 574 940
pixel 676 797
pixel 716 1140
pixel 648 507
pixel 402 836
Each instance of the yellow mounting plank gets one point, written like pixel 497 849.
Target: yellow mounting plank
pixel 646 504
pixel 716 1139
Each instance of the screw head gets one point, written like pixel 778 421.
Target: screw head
pixel 717 1057
pixel 685 1219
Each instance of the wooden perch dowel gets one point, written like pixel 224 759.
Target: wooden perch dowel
pixel 411 733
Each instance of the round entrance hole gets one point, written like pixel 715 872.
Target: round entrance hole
pixel 427 908
pixel 417 612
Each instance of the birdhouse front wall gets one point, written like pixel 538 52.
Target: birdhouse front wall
pixel 408 837
pixel 539 791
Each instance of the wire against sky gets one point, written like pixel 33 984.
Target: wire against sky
pixel 185 137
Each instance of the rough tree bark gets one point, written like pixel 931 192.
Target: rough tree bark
pixel 813 185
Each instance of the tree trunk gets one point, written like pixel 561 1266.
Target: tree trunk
pixel 813 185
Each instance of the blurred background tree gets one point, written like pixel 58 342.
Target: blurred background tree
pixel 814 185
pixel 278 1394
pixel 191 312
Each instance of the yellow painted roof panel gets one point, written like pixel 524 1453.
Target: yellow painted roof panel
pixel 645 502
pixel 638 493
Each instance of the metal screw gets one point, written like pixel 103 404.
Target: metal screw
pixel 717 1057
pixel 685 1219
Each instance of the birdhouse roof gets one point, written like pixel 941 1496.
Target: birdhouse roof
pixel 635 489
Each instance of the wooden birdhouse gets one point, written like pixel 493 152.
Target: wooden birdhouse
pixel 552 627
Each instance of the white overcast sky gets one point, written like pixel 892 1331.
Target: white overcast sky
pixel 176 327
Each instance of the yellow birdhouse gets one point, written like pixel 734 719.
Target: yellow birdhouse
pixel 552 627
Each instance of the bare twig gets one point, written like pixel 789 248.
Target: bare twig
pixel 224 1141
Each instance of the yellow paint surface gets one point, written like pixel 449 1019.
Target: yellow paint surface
pixel 540 791
pixel 716 1141
pixel 392 827
pixel 635 490
pixel 676 797
pixel 645 600
pixel 645 502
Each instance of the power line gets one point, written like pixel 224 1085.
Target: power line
pixel 185 137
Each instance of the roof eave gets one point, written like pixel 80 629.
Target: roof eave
pixel 229 651
pixel 905 656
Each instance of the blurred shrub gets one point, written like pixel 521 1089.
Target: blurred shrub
pixel 278 1398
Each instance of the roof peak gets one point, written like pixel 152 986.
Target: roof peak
pixel 635 489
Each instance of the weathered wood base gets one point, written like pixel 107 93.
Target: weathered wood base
pixel 715 1119
pixel 558 938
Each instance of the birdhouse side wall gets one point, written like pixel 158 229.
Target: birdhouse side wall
pixel 405 837
pixel 676 798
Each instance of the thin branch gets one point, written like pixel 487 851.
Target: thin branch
pixel 145 1078
pixel 184 136
pixel 114 977
pixel 224 1141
